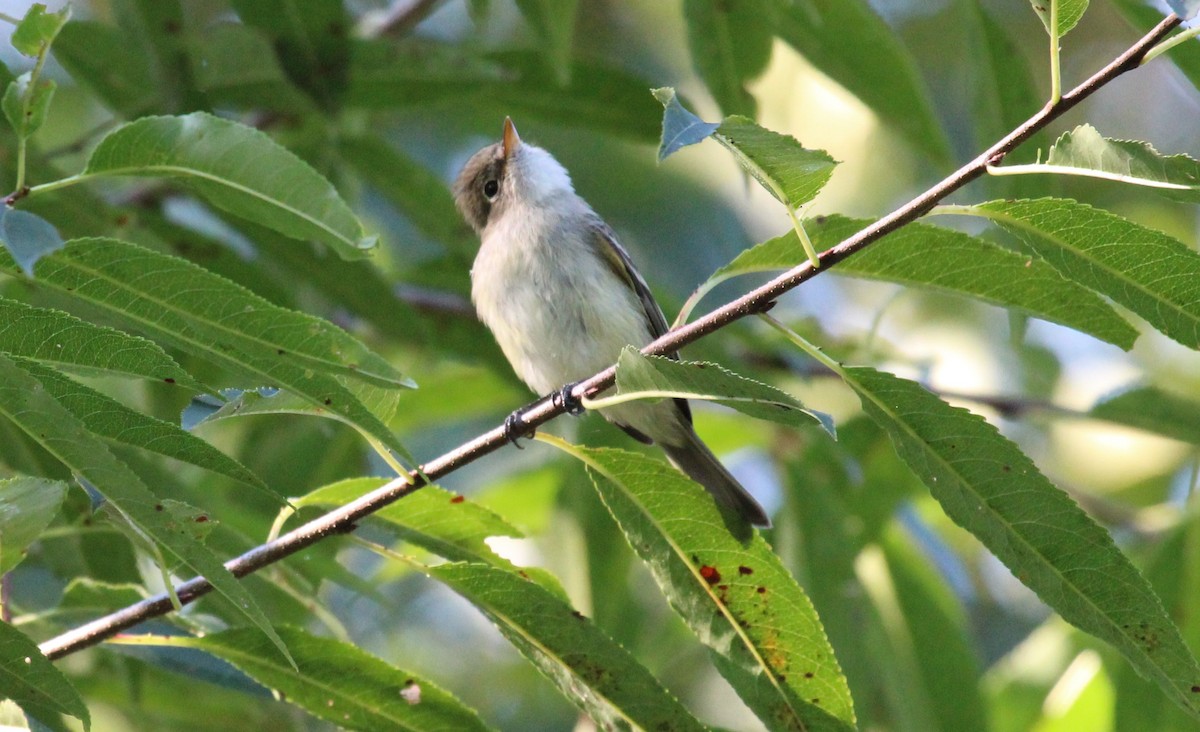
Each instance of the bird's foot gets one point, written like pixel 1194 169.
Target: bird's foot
pixel 567 401
pixel 515 428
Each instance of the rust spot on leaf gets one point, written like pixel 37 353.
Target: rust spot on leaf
pixel 710 574
pixel 744 570
pixel 457 499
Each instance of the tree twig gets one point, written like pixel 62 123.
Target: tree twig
pixel 345 518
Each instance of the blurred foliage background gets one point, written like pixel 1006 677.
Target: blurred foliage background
pixel 388 100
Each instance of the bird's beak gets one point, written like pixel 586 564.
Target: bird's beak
pixel 512 141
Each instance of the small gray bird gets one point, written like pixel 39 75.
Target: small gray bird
pixel 562 298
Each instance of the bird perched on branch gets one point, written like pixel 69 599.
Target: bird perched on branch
pixel 562 298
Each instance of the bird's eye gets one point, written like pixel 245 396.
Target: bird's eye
pixel 490 189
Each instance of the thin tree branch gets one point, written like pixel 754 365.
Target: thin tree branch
pixel 345 518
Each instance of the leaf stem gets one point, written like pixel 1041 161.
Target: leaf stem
pixel 26 102
pixel 1033 168
pixel 1172 42
pixel 1055 60
pixel 803 343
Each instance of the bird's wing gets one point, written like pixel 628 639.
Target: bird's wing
pixel 619 261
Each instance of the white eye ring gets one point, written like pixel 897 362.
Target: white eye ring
pixel 490 189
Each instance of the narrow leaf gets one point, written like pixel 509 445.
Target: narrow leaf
pixel 185 305
pixel 435 519
pixel 238 169
pixel 736 596
pixel 989 487
pixel 1069 14
pixel 29 679
pixel 932 257
pixel 236 66
pixel 554 23
pixel 592 670
pixel 1154 410
pixel 54 337
pixel 25 401
pixel 338 682
pixel 28 237
pixel 657 376
pixel 730 44
pixel 311 39
pixel 1084 151
pixel 1147 271
pixel 850 43
pixel 680 127
pixel 793 174
pixel 27 506
pixel 117 423
pixel 101 58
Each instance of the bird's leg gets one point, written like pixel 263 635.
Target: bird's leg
pixel 567 401
pixel 515 428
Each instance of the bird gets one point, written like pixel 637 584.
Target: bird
pixel 562 298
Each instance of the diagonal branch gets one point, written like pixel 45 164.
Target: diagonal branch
pixel 343 520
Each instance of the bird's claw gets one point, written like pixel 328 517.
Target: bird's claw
pixel 515 428
pixel 567 401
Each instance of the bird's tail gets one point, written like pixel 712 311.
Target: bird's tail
pixel 695 459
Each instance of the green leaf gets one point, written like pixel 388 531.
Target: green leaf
pixel 27 237
pixel 936 258
pixel 185 305
pixel 104 59
pixel 238 169
pixel 1084 151
pixel 416 191
pixel 517 83
pixel 850 43
pixel 36 31
pixel 27 506
pixel 311 39
pixel 1154 410
pixel 990 488
pixel 1069 13
pixel 107 418
pixel 791 172
pixel 155 31
pixel 1147 271
pixel 554 23
pixel 27 107
pixel 592 670
pixel 25 401
pixel 29 679
pixel 435 519
pixel 658 377
pixel 338 682
pixel 680 127
pixel 730 44
pixel 236 65
pixel 54 337
pixel 736 596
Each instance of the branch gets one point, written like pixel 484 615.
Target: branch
pixel 344 519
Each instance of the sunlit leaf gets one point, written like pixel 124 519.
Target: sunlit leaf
pixel 338 682
pixel 735 595
pixel 660 377
pixel 1147 271
pixel 236 168
pixel 29 679
pixel 788 170
pixel 592 670
pixel 27 505
pixel 1084 151
pixel 989 487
